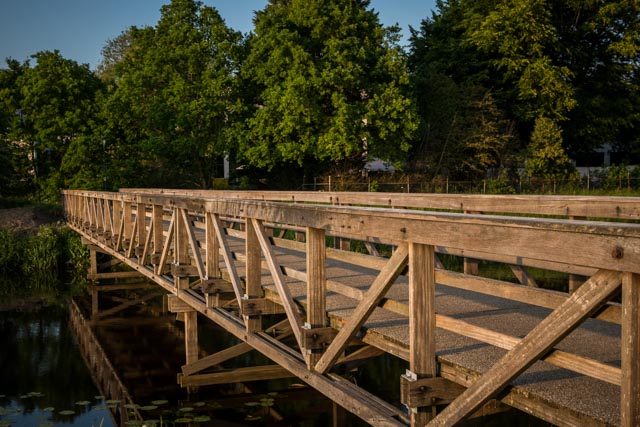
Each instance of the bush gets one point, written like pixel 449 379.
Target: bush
pixel 50 259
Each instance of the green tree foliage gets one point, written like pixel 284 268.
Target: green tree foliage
pixel 172 96
pixel 54 105
pixel 463 133
pixel 573 62
pixel 547 159
pixel 328 86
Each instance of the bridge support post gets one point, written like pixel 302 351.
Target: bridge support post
pixel 316 289
pixel 422 327
pixel 630 390
pixel 181 246
pixel 253 271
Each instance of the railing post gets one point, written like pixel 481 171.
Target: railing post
pixel 107 221
pixel 471 265
pixel 316 289
pixel 141 219
pixel 575 280
pixel 127 231
pixel 117 223
pixel 422 328
pixel 253 274
pixel 181 258
pixel 158 221
pixel 630 390
pixel 212 257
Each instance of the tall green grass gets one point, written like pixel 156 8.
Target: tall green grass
pixel 54 259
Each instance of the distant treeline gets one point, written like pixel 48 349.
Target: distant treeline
pixel 483 87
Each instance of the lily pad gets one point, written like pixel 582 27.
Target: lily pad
pixel 48 424
pixel 35 394
pixel 112 402
pixel 98 397
pixel 67 412
pixel 202 419
pixel 149 407
pixel 131 406
pixel 159 402
pixel 185 409
pixel 183 420
pixel 83 402
pixel 49 409
pixel 198 404
pixel 252 418
pixel 101 408
pixel 252 403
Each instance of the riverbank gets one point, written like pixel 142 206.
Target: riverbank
pixel 39 254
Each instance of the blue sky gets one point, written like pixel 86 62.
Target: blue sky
pixel 79 29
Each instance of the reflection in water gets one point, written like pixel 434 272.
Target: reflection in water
pixel 44 380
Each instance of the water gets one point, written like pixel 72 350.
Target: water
pixel 44 381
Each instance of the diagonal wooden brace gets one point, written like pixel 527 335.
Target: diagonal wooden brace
pixel 560 323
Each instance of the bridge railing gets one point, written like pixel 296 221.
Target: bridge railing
pixel 180 239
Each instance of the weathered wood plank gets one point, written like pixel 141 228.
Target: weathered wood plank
pixel 630 390
pixel 212 248
pixel 167 245
pixel 568 206
pixel 422 321
pixel 239 375
pixel 253 273
pixel 316 286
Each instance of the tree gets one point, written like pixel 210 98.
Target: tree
pixel 173 95
pixel 463 133
pixel 54 105
pixel 113 54
pixel 328 81
pixel 547 159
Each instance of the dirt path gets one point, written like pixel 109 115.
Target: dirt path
pixel 25 220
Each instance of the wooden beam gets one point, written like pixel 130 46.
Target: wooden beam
pixel 365 307
pixel 193 243
pixel 316 287
pixel 595 292
pixel 228 258
pixel 167 245
pixel 176 305
pixel 422 322
pixel 114 275
pixel 253 274
pixel 238 375
pixel 523 277
pixel 357 358
pixel 157 220
pixel 278 278
pixel 212 248
pixel 630 390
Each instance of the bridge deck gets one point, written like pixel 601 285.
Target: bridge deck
pixel 544 388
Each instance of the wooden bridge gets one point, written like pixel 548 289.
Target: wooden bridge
pixel 471 342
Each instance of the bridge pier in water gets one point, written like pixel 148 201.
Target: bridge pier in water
pixel 416 290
